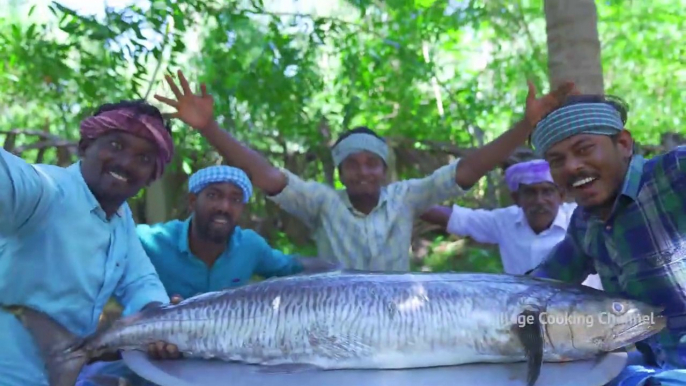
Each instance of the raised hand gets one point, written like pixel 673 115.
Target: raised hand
pixel 537 108
pixel 196 111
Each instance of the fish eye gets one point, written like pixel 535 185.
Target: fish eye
pixel 618 307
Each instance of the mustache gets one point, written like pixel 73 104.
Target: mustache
pixel 537 210
pixel 220 215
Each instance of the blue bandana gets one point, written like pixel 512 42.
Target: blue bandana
pixel 218 174
pixel 582 118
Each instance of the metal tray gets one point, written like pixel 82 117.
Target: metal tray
pixel 197 372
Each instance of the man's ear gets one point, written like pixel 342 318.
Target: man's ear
pixel 625 143
pixel 192 198
pixel 84 143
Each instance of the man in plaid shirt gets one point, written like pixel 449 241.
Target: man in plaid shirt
pixel 629 227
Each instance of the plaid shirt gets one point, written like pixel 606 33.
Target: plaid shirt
pixel 640 251
pixel 379 241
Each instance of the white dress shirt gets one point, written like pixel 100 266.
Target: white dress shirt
pixel 520 248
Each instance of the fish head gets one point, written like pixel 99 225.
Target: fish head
pixel 596 321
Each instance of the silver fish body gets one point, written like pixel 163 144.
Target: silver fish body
pixel 389 321
pixel 358 320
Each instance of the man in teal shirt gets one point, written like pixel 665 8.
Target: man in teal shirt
pixel 67 238
pixel 208 251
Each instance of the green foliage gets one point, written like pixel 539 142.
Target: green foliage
pixel 288 81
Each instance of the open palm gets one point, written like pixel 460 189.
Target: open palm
pixel 537 108
pixel 196 111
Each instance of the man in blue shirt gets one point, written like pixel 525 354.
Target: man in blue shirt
pixel 208 251
pixel 67 239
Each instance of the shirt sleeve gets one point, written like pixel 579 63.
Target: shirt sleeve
pixel 139 284
pixel 479 224
pixel 423 193
pixel 566 262
pixel 303 199
pixel 276 263
pixel 26 190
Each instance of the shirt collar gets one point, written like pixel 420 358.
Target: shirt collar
pixel 343 194
pixel 93 204
pixel 183 246
pixel 560 221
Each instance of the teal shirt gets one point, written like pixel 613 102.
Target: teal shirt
pixel 59 254
pixel 184 274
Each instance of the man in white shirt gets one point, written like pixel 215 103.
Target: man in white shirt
pixel 525 232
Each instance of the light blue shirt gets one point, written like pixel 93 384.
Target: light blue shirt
pixel 60 255
pixel 184 274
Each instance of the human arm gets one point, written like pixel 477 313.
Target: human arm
pixel 197 111
pixel 26 192
pixel 479 224
pixel 451 180
pixel 139 285
pixel 276 263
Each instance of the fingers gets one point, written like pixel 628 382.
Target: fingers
pixel 166 101
pixel 174 88
pixel 161 350
pixel 170 115
pixel 184 84
pixel 172 351
pixel 203 90
pixel 152 351
pixel 563 90
pixel 532 89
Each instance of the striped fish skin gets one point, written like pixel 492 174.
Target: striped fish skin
pixel 387 321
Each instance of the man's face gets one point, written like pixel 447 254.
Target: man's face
pixel 117 165
pixel 591 167
pixel 363 173
pixel 540 203
pixel 217 209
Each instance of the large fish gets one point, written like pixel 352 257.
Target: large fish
pixel 370 321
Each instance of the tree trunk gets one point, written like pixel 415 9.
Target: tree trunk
pixel 574 45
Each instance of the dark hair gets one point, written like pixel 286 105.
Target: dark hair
pixel 358 130
pixel 140 106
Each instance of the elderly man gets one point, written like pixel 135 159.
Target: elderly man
pixel 525 232
pixel 630 226
pixel 208 251
pixel 368 225
pixel 67 239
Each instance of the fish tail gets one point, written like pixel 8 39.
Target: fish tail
pixel 64 353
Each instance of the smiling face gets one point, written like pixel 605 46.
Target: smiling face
pixel 117 165
pixel 217 209
pixel 540 203
pixel 591 167
pixel 363 173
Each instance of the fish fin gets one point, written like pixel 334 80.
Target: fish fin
pixel 290 368
pixel 59 348
pixel 530 334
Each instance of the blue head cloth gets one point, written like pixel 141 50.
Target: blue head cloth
pixel 218 174
pixel 568 121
